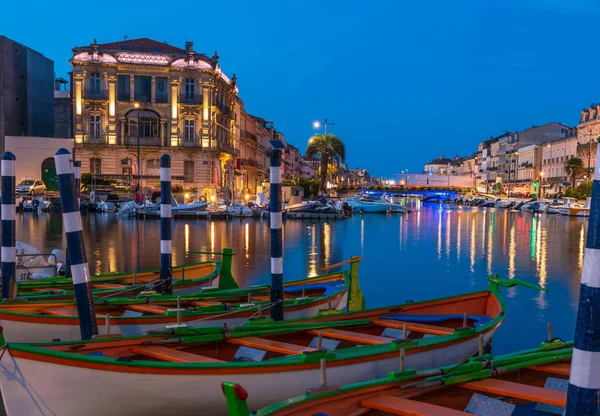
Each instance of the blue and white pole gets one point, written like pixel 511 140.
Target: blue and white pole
pixel 276 237
pixel 583 396
pixel 9 212
pixel 75 245
pixel 166 257
pixel 77 172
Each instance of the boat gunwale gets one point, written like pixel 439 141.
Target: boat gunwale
pixel 36 351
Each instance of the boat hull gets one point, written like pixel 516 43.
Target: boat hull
pixel 135 390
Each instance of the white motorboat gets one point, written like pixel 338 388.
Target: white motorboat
pixel 573 209
pixel 32 265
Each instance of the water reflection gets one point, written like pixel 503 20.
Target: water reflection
pixel 404 257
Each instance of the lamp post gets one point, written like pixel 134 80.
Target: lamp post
pixel 139 164
pixel 589 172
pixel 326 123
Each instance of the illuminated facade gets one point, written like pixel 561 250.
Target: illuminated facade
pixel 162 99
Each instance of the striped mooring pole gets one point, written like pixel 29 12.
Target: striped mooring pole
pixel 8 214
pixel 166 258
pixel 80 269
pixel 276 236
pixel 583 394
pixel 77 172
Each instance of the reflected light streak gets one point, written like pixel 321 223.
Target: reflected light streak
pixel 448 228
pixel 581 247
pixel 458 232
pixel 439 236
pixel 312 254
pixel 512 252
pixel 247 239
pixel 327 242
pixel 473 235
pixel 362 237
pixel 533 237
pixel 490 245
pixel 212 238
pixel 186 234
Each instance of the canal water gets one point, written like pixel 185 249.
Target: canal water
pixel 434 252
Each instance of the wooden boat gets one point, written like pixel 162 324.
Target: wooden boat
pixel 532 382
pixel 187 278
pixel 180 370
pixel 38 321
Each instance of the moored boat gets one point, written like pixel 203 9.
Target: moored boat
pixel 573 209
pixel 187 278
pixel 273 360
pixel 39 321
pixel 531 382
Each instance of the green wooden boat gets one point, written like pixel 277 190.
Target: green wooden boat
pixel 531 382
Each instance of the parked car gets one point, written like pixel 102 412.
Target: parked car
pixel 31 187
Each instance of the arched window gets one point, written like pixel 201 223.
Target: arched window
pixel 149 124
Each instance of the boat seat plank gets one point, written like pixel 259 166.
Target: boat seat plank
pixel 270 345
pixel 148 308
pixel 407 407
pixel 411 326
pixel 108 286
pixel 518 391
pixel 350 336
pixel 171 355
pixel 205 303
pixel 563 369
pixel 60 311
pixel 260 298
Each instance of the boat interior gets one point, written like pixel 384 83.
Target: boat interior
pixel 255 343
pixel 540 390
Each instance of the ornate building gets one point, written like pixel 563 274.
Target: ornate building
pixel 149 97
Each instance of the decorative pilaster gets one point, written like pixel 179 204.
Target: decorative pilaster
pixel 112 97
pixel 206 114
pixel 78 107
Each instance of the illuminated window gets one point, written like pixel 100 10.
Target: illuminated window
pixel 189 128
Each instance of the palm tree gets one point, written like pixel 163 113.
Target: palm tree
pixel 328 148
pixel 574 168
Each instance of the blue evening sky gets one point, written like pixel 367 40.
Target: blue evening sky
pixel 403 81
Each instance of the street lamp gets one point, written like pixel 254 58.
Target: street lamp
pixel 139 172
pixel 317 124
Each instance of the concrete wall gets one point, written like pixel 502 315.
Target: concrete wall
pixel 63 117
pixel 32 151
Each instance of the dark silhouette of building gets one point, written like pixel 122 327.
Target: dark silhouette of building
pixel 26 92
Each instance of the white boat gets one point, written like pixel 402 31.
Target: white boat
pixel 193 206
pixel 369 205
pixel 32 265
pixel 554 207
pixel 104 206
pixel 573 209
pixel 240 210
pixel 32 204
pixel 503 203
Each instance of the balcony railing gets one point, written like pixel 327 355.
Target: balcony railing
pixel 195 99
pixel 226 147
pixel 95 139
pixel 189 143
pixel 94 94
pixel 144 141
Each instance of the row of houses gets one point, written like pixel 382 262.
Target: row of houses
pixel 522 161
pixel 125 103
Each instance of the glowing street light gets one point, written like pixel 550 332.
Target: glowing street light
pixel 317 124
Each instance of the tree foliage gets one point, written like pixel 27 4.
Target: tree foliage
pixel 329 149
pixel 574 168
pixel 310 186
pixel 580 192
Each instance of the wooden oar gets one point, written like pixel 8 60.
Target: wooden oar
pixel 333 266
